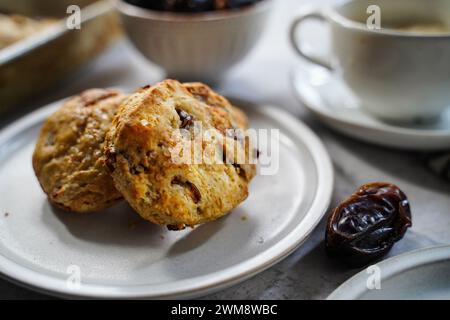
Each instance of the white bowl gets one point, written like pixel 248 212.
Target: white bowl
pixel 195 46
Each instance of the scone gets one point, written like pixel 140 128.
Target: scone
pixel 140 154
pixel 68 159
pixel 14 28
pixel 204 94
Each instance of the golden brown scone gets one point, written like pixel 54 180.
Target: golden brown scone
pixel 204 94
pixel 140 145
pixel 68 159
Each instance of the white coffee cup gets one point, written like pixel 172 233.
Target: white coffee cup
pixel 397 75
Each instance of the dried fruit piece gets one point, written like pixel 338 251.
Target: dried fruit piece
pixel 194 193
pixel 366 225
pixel 186 119
pixel 191 5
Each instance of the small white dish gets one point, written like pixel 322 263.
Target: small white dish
pixel 116 254
pixel 418 275
pixel 326 96
pixel 199 46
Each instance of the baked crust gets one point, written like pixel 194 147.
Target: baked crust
pixel 68 159
pixel 139 150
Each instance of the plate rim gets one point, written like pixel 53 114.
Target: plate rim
pixel 196 286
pixel 354 287
pixel 381 129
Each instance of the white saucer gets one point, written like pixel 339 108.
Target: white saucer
pixel 418 275
pixel 118 255
pixel 328 98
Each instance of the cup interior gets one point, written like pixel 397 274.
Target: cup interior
pixel 401 16
pixel 133 10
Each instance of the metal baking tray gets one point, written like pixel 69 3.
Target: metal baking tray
pixel 33 65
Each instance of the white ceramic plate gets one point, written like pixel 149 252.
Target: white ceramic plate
pixel 418 275
pixel 120 255
pixel 331 101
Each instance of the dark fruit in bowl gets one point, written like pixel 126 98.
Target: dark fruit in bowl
pixel 366 225
pixel 191 5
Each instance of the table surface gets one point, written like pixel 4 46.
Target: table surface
pixel 264 77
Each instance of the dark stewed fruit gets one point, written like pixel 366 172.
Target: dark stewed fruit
pixel 191 5
pixel 366 225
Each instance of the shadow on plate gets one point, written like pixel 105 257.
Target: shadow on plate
pixel 196 237
pixel 214 246
pixel 118 225
pixel 121 226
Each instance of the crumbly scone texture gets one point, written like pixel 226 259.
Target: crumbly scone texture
pixel 68 159
pixel 164 189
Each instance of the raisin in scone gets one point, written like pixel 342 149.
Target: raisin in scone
pixel 68 159
pixel 140 154
pixel 204 94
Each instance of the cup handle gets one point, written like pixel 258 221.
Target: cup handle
pixel 313 15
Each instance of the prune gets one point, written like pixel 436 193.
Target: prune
pixel 366 225
pixel 239 3
pixel 191 5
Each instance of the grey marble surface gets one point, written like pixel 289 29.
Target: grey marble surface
pixel 264 77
